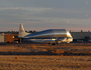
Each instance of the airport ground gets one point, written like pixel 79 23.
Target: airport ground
pixel 73 56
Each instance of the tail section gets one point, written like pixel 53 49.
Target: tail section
pixel 22 32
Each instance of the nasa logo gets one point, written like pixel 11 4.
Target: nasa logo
pixel 21 30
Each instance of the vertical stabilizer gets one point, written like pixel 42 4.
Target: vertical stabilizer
pixel 22 32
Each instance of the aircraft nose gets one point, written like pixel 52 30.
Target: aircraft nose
pixel 68 34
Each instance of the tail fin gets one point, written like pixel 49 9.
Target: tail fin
pixel 22 32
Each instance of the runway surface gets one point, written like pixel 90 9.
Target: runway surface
pixel 32 56
pixel 46 44
pixel 75 49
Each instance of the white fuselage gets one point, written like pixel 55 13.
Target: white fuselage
pixel 50 35
pixel 68 40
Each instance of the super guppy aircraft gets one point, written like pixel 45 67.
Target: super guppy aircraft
pixel 46 36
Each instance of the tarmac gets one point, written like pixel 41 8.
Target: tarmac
pixel 46 44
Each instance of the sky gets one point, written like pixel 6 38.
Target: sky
pixel 40 15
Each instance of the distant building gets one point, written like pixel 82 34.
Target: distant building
pixel 11 38
pixel 80 35
pixel 2 38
